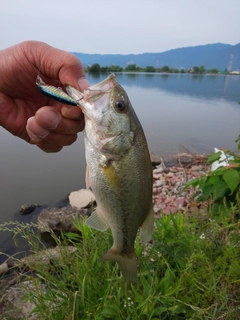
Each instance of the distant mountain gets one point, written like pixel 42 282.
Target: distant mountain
pixel 216 55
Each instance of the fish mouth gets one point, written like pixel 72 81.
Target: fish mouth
pixel 97 97
pixel 96 91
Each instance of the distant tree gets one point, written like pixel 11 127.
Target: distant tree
pixel 115 68
pixel 165 69
pixel 95 68
pixel 214 70
pixel 195 69
pixel 132 67
pixel 182 71
pixel 201 69
pixel 174 70
pixel 104 69
pixel 149 69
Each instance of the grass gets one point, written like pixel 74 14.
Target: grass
pixel 189 271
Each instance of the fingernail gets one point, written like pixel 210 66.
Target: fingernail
pixel 39 133
pixel 83 83
pixel 49 117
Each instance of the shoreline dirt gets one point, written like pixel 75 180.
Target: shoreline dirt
pixel 169 181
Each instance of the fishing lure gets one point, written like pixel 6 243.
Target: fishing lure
pixel 55 93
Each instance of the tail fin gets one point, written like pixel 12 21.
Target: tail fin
pixel 127 264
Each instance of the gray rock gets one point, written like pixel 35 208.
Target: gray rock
pixel 60 219
pixel 27 208
pixel 13 305
pixel 155 159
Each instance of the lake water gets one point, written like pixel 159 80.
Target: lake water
pixel 194 111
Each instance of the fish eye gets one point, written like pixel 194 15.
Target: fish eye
pixel 120 106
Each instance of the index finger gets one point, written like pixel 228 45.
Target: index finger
pixel 57 64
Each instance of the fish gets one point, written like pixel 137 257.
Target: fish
pixel 119 169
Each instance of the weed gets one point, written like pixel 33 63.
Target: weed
pixel 189 271
pixel 222 186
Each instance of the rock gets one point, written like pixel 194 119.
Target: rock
pixel 185 158
pixel 27 208
pixel 47 256
pixel 170 175
pixel 60 219
pixel 14 306
pixel 158 183
pixel 82 198
pixel 3 268
pixel 155 159
pixel 196 168
pixel 157 176
pixel 12 302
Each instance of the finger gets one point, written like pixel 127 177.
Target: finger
pixel 83 83
pixel 46 146
pixel 49 141
pixel 38 134
pixel 50 119
pixel 72 112
pixel 35 131
pixel 60 140
pixel 67 68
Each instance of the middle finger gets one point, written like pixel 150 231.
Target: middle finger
pixel 51 119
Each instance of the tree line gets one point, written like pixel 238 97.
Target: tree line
pixel 96 68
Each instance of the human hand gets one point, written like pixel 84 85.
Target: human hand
pixel 24 110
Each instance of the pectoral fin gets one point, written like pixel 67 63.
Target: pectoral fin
pixel 147 226
pixel 96 222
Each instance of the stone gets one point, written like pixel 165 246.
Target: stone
pixel 60 219
pixel 155 159
pixel 3 268
pixel 82 198
pixel 196 168
pixel 157 176
pixel 14 305
pixel 158 183
pixel 27 208
pixel 169 174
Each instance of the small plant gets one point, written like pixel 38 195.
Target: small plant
pixel 189 271
pixel 222 185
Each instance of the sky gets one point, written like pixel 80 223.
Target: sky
pixel 120 26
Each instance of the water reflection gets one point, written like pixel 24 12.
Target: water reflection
pixel 201 86
pixel 131 76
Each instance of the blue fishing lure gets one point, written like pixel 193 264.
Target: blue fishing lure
pixel 55 93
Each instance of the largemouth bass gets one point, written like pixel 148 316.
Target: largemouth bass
pixel 119 170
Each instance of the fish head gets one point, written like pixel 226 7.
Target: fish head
pixel 110 121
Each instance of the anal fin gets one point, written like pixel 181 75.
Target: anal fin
pixel 148 226
pixel 96 222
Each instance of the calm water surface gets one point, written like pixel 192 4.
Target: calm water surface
pixel 197 112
